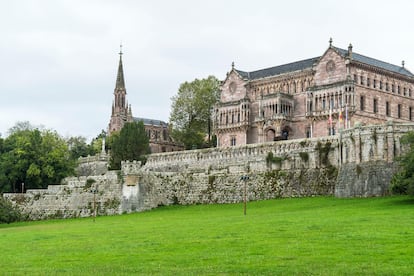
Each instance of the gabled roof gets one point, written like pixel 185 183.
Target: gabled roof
pixel 377 63
pixel 150 122
pixel 308 63
pixel 277 70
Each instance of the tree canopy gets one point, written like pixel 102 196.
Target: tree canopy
pixel 131 143
pixel 190 116
pixel 403 181
pixel 33 156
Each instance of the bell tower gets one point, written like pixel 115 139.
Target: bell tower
pixel 121 111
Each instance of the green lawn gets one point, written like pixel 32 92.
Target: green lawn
pixel 306 236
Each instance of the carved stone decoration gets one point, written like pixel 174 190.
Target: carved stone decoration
pixel 232 87
pixel 330 66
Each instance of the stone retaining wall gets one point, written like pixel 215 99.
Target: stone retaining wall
pixel 357 162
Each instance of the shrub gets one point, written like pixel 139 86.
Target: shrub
pixel 304 156
pixel 8 212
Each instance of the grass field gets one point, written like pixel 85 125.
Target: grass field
pixel 307 236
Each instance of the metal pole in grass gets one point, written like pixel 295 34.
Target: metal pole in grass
pixel 94 191
pixel 244 178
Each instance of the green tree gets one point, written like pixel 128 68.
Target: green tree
pixel 131 143
pixel 78 147
pixel 190 116
pixel 403 181
pixel 34 157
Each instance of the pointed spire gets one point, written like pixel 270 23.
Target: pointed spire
pixel 330 42
pixel 120 83
pixel 403 63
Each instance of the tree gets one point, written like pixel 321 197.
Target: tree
pixel 131 143
pixel 403 181
pixel 34 157
pixel 190 116
pixel 79 148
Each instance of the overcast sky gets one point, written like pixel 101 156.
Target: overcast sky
pixel 59 58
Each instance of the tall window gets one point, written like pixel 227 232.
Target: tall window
pixel 362 102
pixel 381 85
pixel 375 83
pixel 399 111
pixel 368 82
pixel 410 113
pixel 362 80
pixel 233 141
pixel 387 108
pixel 392 88
pixel 387 88
pixel 375 106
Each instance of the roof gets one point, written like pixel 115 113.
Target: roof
pixel 377 63
pixel 308 63
pixel 150 122
pixel 277 70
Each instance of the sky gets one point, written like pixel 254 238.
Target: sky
pixel 59 59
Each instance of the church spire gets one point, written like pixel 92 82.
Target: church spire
pixel 120 83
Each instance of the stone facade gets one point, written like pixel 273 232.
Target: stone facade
pixel 356 162
pixel 158 131
pixel 311 98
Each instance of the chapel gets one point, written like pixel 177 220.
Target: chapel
pixel 157 130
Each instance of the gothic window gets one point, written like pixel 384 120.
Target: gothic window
pixel 409 92
pixel 375 84
pixel 380 87
pixel 387 109
pixel 368 82
pixel 398 89
pixel 355 77
pixel 375 106
pixel 362 80
pixel 405 91
pixel 392 88
pixel 410 113
pixel 238 117
pixel 164 134
pixel 387 88
pixel 323 104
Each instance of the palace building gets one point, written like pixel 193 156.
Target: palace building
pixel 157 131
pixel 311 98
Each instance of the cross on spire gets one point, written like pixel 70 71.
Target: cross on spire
pixel 120 49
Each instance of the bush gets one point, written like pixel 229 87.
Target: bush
pixel 403 181
pixel 8 213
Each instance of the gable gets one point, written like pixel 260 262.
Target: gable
pixel 233 88
pixel 331 68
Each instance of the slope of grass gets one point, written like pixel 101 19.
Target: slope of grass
pixel 306 236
